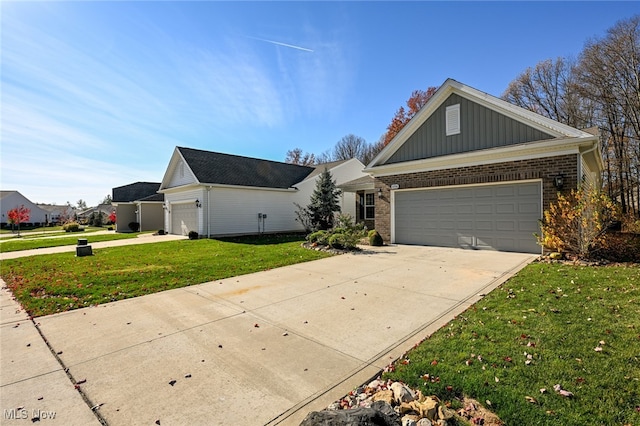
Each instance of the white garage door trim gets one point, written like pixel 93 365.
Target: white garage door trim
pixel 184 218
pixel 472 233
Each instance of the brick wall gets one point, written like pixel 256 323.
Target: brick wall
pixel 539 168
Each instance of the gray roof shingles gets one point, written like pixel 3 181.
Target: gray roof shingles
pixel 136 192
pixel 225 169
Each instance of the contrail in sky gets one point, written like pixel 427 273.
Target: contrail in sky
pixel 281 44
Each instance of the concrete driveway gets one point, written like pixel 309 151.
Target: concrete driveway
pixel 267 348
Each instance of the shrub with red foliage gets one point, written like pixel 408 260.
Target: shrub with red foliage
pixel 619 247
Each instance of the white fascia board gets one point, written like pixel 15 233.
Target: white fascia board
pixel 170 168
pixel 175 157
pixel 450 86
pixel 179 188
pixel 517 113
pixel 218 185
pixel 511 153
pixel 434 102
pixel 259 188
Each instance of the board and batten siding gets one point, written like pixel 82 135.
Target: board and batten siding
pixel 235 211
pixel 480 128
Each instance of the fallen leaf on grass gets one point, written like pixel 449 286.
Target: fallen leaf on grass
pixel 562 392
pixel 531 399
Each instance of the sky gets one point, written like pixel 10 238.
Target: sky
pixel 97 94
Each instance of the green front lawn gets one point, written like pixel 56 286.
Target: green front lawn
pixel 48 284
pixel 18 244
pixel 578 327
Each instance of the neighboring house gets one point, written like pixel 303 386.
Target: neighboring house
pixel 138 202
pixel 217 194
pixel 10 200
pixel 471 170
pixel 56 214
pixel 104 210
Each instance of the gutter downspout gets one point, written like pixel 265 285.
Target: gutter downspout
pixel 208 212
pixel 596 145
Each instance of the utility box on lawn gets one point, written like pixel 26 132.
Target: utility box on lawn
pixel 83 249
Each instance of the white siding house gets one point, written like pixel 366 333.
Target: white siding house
pixel 10 200
pixel 218 194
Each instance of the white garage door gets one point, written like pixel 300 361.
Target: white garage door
pixel 499 217
pixel 183 218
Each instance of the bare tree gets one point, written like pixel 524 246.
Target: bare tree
pixel 549 89
pixel 609 75
pixel 297 156
pixel 350 146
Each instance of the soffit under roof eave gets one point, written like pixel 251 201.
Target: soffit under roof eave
pixel 519 152
pixel 192 186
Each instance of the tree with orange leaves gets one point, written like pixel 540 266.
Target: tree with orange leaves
pixel 416 101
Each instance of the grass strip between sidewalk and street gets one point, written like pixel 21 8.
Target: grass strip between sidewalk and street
pixel 19 244
pixel 573 326
pixel 53 283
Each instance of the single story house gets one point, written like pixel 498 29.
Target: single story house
pixel 471 170
pixel 58 214
pixel 103 209
pixel 216 194
pixel 138 202
pixel 10 200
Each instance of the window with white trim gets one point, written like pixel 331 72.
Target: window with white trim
pixel 453 119
pixel 369 206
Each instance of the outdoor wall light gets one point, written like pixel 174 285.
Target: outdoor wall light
pixel 198 203
pixel 558 182
pixel 379 192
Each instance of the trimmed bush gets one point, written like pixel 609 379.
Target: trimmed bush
pixel 375 239
pixel 71 227
pixel 319 237
pixel 337 241
pixel 193 235
pixel 134 226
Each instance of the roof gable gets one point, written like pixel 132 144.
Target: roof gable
pixel 224 169
pixel 485 122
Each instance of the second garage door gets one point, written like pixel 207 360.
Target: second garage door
pixel 183 218
pixel 499 217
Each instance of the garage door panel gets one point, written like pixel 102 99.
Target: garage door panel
pixel 529 208
pixel 505 225
pixel 183 218
pixel 465 209
pixel 484 208
pixel 499 217
pixel 483 193
pixel 505 208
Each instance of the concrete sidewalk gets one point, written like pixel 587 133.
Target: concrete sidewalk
pixel 265 348
pixel 33 384
pixel 141 239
